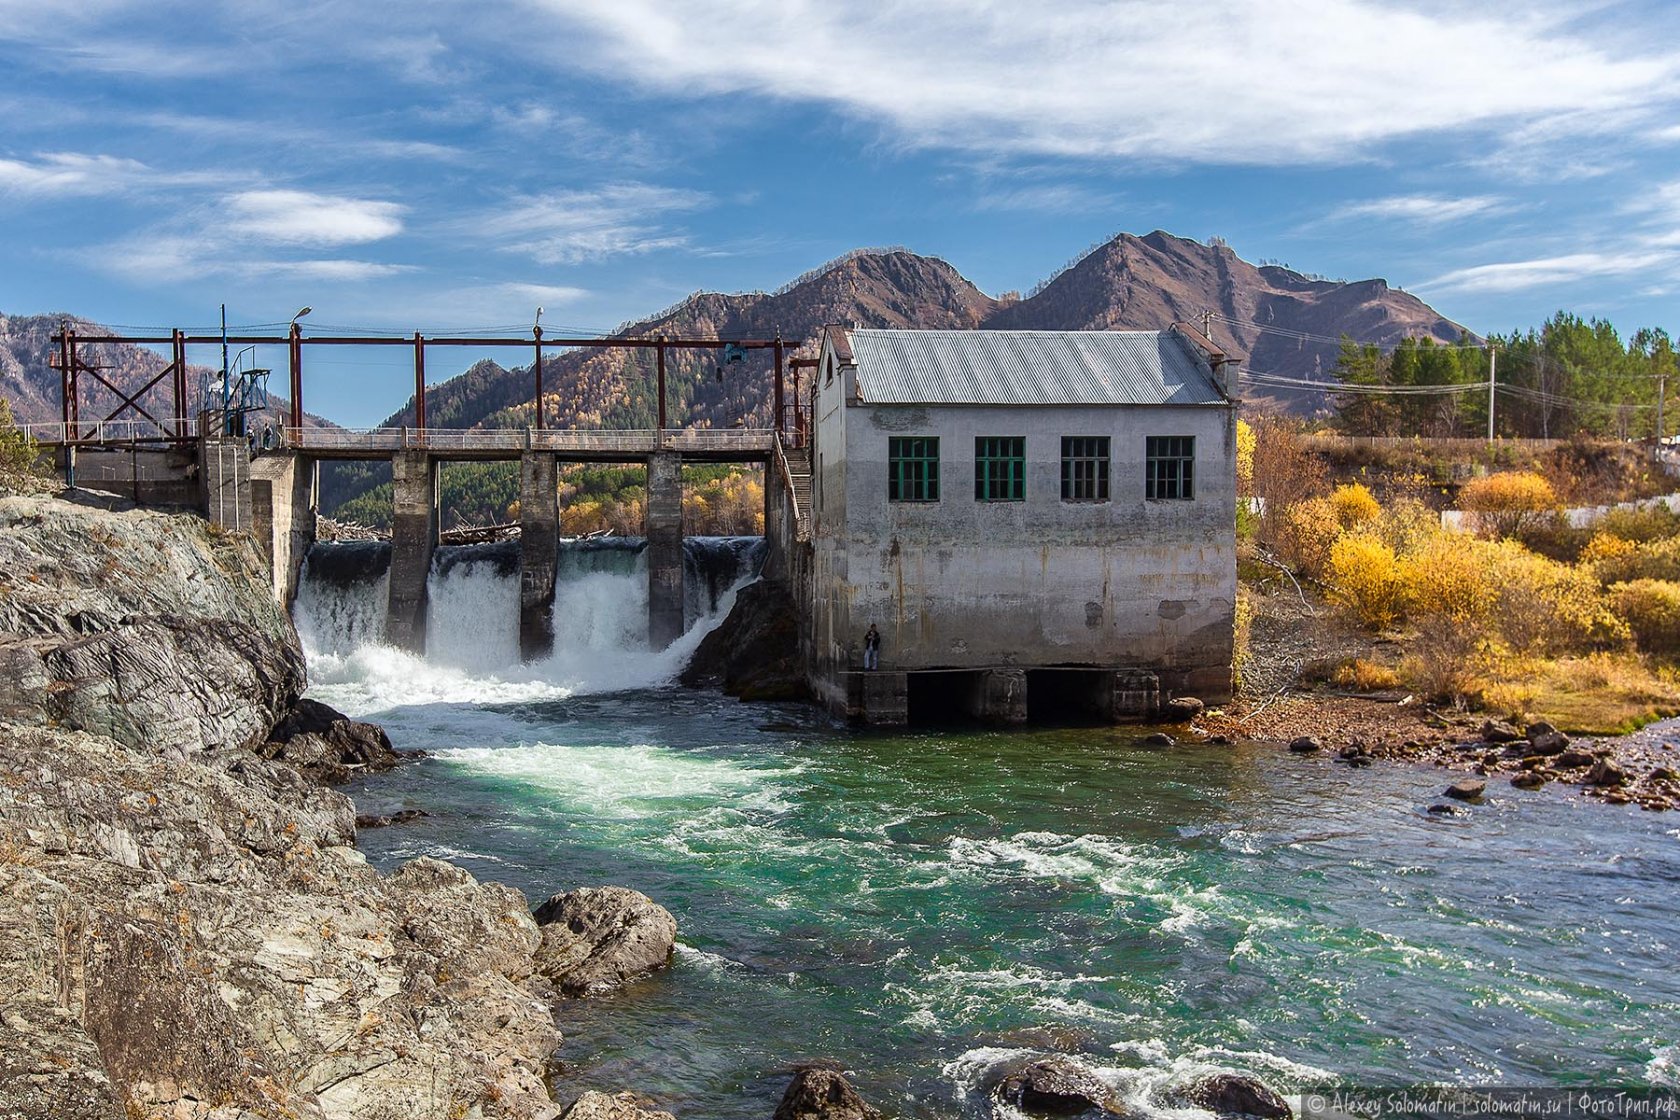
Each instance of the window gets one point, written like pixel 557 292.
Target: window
pixel 913 469
pixel 1084 468
pixel 1000 468
pixel 1171 462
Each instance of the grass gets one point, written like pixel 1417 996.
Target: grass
pixel 1598 694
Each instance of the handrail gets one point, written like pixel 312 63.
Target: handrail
pixel 640 440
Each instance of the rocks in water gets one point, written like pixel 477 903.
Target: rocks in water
pixel 401 816
pixel 1441 809
pixel 1235 1094
pixel 1182 709
pixel 1573 759
pixel 328 745
pixel 754 652
pixel 1498 731
pixel 1546 739
pixel 820 1092
pixel 1467 789
pixel 1158 739
pixel 1529 779
pixel 596 938
pixel 1606 772
pixel 616 1106
pixel 1355 754
pixel 1305 744
pixel 1055 1086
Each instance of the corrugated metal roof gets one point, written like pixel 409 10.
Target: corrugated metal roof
pixel 1029 367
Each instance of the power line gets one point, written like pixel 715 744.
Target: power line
pixel 1307 336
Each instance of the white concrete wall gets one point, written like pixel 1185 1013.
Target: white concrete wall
pixel 963 583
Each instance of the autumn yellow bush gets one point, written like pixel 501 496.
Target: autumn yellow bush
pixel 1445 577
pixel 1302 534
pixel 1365 676
pixel 1353 506
pixel 1508 503
pixel 1658 559
pixel 1642 525
pixel 1366 580
pixel 1651 609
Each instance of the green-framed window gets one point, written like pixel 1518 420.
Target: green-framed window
pixel 1084 468
pixel 1171 467
pixel 1000 468
pixel 913 469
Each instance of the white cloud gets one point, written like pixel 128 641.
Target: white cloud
pixel 1223 81
pixel 77 174
pixel 1511 276
pixel 568 227
pixel 1422 209
pixel 1054 198
pixel 289 217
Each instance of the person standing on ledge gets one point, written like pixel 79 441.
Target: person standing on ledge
pixel 872 648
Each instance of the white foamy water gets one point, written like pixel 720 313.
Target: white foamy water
pixel 472 647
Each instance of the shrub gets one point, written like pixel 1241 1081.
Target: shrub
pixel 1353 506
pixel 1301 533
pixel 1245 459
pixel 1508 503
pixel 1442 662
pixel 19 466
pixel 1641 526
pixel 1243 622
pixel 1365 676
pixel 1367 581
pixel 1658 559
pixel 1651 608
pixel 1446 578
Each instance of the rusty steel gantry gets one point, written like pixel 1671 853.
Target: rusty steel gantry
pixel 71 366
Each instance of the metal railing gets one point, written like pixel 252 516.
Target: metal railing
pixel 468 440
pixel 110 431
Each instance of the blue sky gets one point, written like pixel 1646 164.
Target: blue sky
pixel 443 164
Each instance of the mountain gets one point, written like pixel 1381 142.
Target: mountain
pixel 1264 313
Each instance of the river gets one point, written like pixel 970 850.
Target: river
pixel 925 907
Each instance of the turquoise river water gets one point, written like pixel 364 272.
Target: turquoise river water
pixel 924 907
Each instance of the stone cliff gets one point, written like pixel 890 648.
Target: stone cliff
pixel 186 929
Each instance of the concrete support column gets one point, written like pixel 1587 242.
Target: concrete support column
pixel 663 520
pixel 999 696
pixel 283 490
pixel 884 699
pixel 414 534
pixel 539 545
pixel 224 473
pixel 1127 695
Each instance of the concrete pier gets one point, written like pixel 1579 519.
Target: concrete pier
pixel 884 699
pixel 999 696
pixel 663 520
pixel 283 503
pixel 1128 694
pixel 539 544
pixel 224 472
pixel 414 534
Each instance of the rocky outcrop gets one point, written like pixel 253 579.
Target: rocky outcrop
pixel 328 745
pixel 819 1093
pixel 142 627
pixel 186 929
pixel 596 938
pixel 754 652
pixel 615 1106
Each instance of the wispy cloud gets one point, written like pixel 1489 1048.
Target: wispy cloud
pixel 288 217
pixel 1511 276
pixel 1422 209
pixel 1051 198
pixel 1322 82
pixel 77 174
pixel 568 227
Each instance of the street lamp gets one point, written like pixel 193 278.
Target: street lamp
pixel 301 313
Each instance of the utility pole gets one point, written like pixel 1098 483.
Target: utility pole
pixel 1662 392
pixel 1493 384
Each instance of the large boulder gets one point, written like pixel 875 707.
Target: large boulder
pixel 754 652
pixel 1234 1094
pixel 1055 1086
pixel 1467 789
pixel 1606 772
pixel 328 745
pixel 615 1106
pixel 1306 744
pixel 819 1093
pixel 1543 738
pixel 596 938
